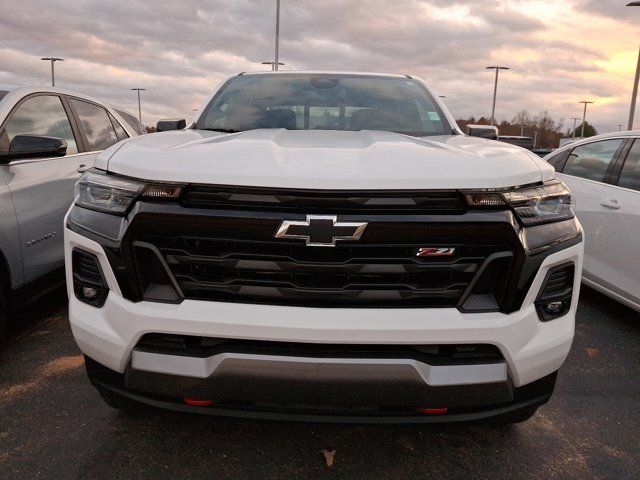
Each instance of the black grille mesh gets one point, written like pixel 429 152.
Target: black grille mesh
pixel 289 273
pixel 85 267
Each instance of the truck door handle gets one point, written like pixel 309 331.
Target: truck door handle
pixel 83 168
pixel 613 204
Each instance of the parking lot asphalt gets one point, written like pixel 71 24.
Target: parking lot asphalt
pixel 53 424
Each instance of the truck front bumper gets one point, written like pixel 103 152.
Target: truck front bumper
pixel 531 350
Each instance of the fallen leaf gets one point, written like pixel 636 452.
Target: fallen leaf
pixel 592 352
pixel 328 456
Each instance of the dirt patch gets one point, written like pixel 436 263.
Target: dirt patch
pixel 16 390
pixel 62 365
pixel 56 367
pixel 569 459
pixel 21 449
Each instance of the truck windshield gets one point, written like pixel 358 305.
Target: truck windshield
pixel 2 94
pixel 324 102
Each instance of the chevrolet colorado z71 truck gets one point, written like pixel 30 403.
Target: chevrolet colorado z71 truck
pixel 323 246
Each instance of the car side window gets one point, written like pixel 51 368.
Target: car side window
pixel 630 174
pixel 39 115
pixel 120 132
pixel 557 160
pixel 132 122
pixel 592 160
pixel 96 125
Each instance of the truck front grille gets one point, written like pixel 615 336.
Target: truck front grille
pixel 290 273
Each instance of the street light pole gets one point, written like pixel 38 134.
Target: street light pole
pixel 634 94
pixel 272 64
pixel 575 119
pixel 275 61
pixel 584 115
pixel 139 108
pixel 53 73
pixel 497 68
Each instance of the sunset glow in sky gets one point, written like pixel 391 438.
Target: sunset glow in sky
pixel 559 52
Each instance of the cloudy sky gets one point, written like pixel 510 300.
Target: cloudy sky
pixel 560 52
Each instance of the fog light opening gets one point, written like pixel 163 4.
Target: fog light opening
pixel 556 292
pixel 89 284
pixel 554 307
pixel 89 293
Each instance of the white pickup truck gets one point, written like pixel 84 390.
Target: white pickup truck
pixel 323 246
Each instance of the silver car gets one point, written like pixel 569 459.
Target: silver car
pixel 48 137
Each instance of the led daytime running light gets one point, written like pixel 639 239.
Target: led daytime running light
pixel 162 191
pixel 550 202
pixel 114 194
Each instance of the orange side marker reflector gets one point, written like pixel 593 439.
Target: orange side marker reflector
pixel 433 411
pixel 195 402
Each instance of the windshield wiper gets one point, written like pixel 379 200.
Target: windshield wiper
pixel 223 130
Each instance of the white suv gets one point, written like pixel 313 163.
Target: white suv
pixel 48 138
pixel 323 246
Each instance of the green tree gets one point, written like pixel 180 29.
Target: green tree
pixel 589 130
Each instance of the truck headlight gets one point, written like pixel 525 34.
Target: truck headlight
pixel 546 203
pixel 114 194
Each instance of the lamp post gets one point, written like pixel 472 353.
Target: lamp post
pixel 634 94
pixel 575 120
pixel 273 64
pixel 53 73
pixel 276 63
pixel 275 59
pixel 584 116
pixel 497 68
pixel 139 108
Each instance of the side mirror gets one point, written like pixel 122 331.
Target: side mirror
pixel 171 124
pixel 483 131
pixel 34 146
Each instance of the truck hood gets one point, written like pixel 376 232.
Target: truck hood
pixel 324 159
